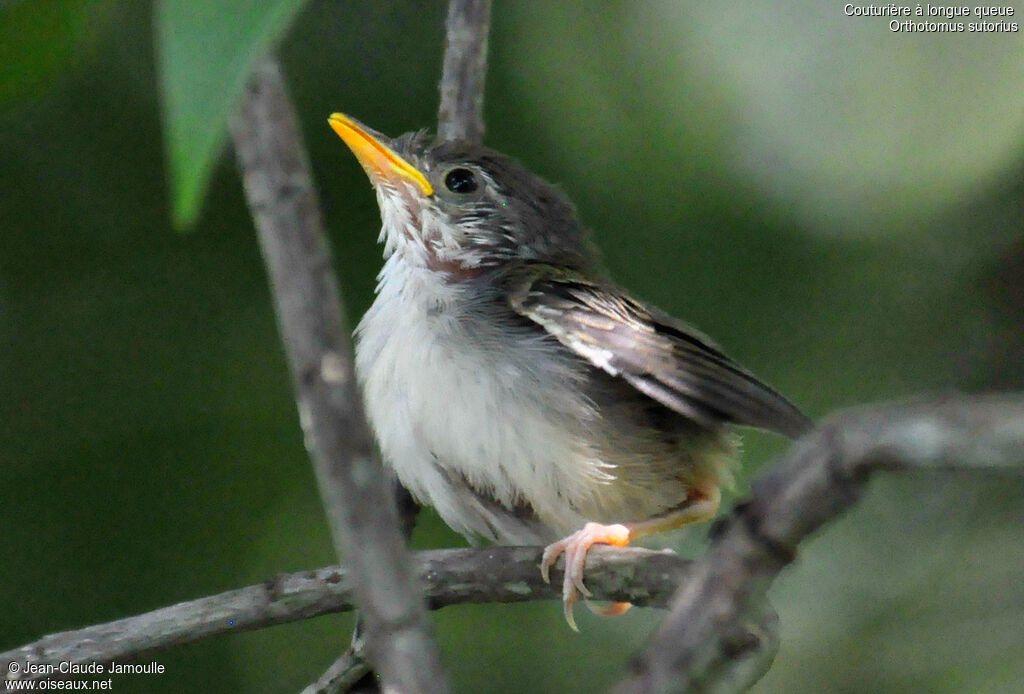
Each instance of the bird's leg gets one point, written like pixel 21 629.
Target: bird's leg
pixel 700 505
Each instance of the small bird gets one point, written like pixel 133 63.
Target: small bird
pixel 513 387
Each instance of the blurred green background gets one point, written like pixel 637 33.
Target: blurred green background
pixel 838 204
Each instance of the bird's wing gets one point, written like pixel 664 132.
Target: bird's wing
pixel 660 356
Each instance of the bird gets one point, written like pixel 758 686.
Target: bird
pixel 516 389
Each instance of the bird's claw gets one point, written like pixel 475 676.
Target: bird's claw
pixel 575 549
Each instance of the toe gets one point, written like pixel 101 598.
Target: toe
pixel 568 603
pixel 575 559
pixel 575 548
pixel 551 554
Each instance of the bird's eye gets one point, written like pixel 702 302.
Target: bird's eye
pixel 461 181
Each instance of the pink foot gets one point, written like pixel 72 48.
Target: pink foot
pixel 575 549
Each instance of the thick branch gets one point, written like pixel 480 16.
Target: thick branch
pixel 719 637
pixel 821 477
pixel 360 507
pixel 497 574
pixel 461 115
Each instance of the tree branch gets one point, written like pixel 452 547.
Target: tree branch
pixel 346 671
pixel 360 508
pixel 448 577
pixel 818 479
pixel 718 636
pixel 461 115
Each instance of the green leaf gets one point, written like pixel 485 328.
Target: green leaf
pixel 205 51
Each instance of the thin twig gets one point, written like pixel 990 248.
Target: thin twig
pixel 821 477
pixel 343 673
pixel 461 115
pixel 355 494
pixel 448 577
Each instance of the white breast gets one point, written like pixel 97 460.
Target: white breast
pixel 445 395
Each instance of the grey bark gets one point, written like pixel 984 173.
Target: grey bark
pixel 360 507
pixel 461 115
pixel 448 577
pixel 821 476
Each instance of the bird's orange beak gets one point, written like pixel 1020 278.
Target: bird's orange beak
pixel 378 160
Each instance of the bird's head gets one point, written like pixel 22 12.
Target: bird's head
pixel 461 208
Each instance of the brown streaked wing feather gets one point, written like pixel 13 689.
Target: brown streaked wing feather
pixel 660 356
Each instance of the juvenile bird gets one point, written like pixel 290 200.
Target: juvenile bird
pixel 514 388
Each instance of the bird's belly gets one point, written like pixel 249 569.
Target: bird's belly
pixel 482 418
pixel 466 418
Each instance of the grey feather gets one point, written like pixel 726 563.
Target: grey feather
pixel 662 357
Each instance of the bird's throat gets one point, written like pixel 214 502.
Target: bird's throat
pixel 452 270
pixel 407 234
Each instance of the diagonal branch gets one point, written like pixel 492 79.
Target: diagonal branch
pixel 461 115
pixel 356 496
pixel 344 673
pixel 821 476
